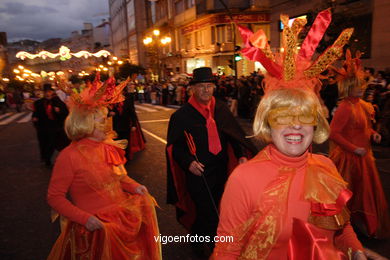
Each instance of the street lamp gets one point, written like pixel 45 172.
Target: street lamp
pixel 156 40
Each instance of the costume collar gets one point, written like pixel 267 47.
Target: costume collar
pixel 353 100
pixel 202 109
pixel 283 160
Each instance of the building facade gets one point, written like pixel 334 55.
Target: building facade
pixel 128 20
pixel 202 32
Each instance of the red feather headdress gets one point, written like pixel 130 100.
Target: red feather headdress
pixel 293 67
pixel 95 94
pixel 352 67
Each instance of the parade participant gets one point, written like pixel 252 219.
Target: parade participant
pixel 126 124
pixel 350 150
pixel 110 216
pixel 287 203
pixel 48 116
pixel 196 178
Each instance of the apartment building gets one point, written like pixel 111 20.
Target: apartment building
pixel 128 21
pixel 202 33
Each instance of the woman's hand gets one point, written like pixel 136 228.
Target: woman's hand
pixel 242 160
pixel 111 113
pixel 142 190
pixel 360 151
pixel 373 255
pixel 93 223
pixel 196 168
pixel 377 138
pixel 359 255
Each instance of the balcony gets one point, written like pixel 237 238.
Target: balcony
pixel 227 47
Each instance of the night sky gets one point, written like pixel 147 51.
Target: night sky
pixel 43 19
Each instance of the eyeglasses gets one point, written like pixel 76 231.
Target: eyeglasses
pixel 287 116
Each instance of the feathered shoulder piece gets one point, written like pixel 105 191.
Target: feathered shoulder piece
pixel 293 66
pixel 95 94
pixel 351 68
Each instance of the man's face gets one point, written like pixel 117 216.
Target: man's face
pixel 49 94
pixel 203 92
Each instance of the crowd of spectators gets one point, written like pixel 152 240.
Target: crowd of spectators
pixel 242 95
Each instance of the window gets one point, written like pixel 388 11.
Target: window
pixel 179 6
pixel 190 3
pixel 162 10
pixel 224 33
pixel 187 41
pixel 199 38
pixel 130 15
pixel 220 33
pixel 229 35
pixel 212 34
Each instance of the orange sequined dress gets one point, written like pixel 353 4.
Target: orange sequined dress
pixel 278 207
pixel 93 175
pixel 351 128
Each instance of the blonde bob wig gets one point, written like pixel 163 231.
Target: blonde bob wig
pixel 80 123
pixel 346 85
pixel 288 97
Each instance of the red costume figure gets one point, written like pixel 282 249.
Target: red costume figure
pixel 110 216
pixel 287 203
pixel 201 137
pixel 350 150
pixel 126 124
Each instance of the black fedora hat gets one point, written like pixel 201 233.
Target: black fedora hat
pixel 47 87
pixel 202 75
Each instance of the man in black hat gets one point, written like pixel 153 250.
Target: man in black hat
pixel 199 135
pixel 48 118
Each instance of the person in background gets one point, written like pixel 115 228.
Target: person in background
pixel 107 214
pixel 350 150
pixel 126 124
pixel 329 93
pixel 199 136
pixel 48 116
pixel 286 202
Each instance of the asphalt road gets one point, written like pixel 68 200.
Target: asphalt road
pixel 26 232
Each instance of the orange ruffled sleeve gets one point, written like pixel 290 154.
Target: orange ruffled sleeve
pixel 129 185
pixel 60 182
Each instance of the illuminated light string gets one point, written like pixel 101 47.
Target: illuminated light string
pixel 64 54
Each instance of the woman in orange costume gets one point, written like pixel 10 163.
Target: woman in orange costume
pixel 111 216
pixel 287 203
pixel 350 150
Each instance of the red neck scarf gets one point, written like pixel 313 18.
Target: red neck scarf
pixel 49 110
pixel 207 111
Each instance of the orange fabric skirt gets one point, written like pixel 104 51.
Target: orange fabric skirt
pixel 369 209
pixel 128 234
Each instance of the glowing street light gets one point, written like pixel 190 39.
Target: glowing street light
pixel 120 62
pixel 166 40
pixel 16 71
pixel 148 40
pixel 156 32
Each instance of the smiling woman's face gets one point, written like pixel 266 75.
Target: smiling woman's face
pixel 292 140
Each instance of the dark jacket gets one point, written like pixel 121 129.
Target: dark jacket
pixel 44 122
